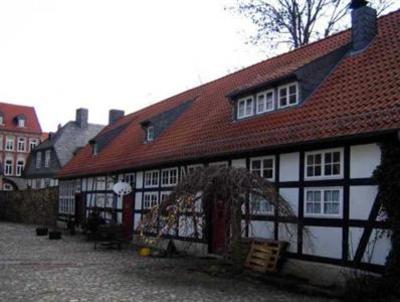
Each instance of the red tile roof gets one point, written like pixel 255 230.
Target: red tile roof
pixel 361 95
pixel 11 111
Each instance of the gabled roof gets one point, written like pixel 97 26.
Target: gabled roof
pixel 10 112
pixel 361 95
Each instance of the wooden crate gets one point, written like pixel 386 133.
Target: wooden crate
pixel 264 255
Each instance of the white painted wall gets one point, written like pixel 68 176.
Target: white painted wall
pixel 291 195
pixel 136 221
pixel 138 200
pixel 363 160
pixel 323 241
pixel 288 232
pixel 139 180
pixel 377 249
pixel 289 166
pixel 239 163
pixel 261 229
pixel 361 201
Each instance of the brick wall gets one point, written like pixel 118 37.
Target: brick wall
pixel 30 206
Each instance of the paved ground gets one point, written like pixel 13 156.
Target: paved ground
pixel 37 269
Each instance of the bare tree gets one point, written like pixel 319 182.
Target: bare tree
pixel 296 22
pixel 201 192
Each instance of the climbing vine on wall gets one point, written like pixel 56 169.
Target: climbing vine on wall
pixel 387 175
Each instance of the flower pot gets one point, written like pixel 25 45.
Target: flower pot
pixel 144 251
pixel 54 235
pixel 41 231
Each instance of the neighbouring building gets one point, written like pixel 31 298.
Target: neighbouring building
pixel 46 160
pixel 20 133
pixel 310 120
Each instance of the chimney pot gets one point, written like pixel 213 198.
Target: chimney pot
pixel 115 115
pixel 82 115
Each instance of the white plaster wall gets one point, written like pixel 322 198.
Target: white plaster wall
pixel 136 221
pixel 288 232
pixel 138 200
pixel 186 226
pixel 289 166
pixel 363 160
pixel 291 195
pixel 361 201
pixel 378 246
pixel 139 180
pixel 323 242
pixel 239 163
pixel 261 229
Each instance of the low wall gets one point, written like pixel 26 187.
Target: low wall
pixel 30 206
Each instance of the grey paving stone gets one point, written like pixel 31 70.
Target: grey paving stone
pixel 36 269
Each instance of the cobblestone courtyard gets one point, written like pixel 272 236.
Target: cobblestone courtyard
pixel 37 269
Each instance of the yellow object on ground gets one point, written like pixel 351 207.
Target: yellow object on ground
pixel 144 252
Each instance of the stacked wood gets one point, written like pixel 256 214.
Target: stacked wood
pixel 264 255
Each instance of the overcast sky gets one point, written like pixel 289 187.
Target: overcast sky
pixel 59 55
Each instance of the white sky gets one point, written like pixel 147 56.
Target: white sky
pixel 59 55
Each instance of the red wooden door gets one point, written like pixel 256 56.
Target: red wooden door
pixel 127 216
pixel 220 227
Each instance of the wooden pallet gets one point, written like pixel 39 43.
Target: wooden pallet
pixel 264 255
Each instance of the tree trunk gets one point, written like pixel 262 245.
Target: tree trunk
pixel 236 226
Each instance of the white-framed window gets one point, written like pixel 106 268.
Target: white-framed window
pixel 245 107
pixel 151 179
pixel 150 199
pixel 130 178
pixel 193 168
pixel 260 206
pixel 324 164
pixel 1 119
pixel 38 160
pixel 1 142
pixel 20 167
pixel 263 166
pixel 47 157
pixel 67 197
pixel 150 133
pixel 21 144
pixel 164 195
pixel 288 95
pixel 32 144
pixel 10 143
pixel 323 201
pixel 9 166
pixel 265 101
pixel 21 122
pixel 169 177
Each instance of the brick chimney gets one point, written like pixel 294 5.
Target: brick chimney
pixel 363 23
pixel 82 117
pixel 114 115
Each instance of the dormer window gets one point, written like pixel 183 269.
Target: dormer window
pixel 150 133
pixel 288 95
pixel 265 101
pixel 1 119
pixel 21 122
pixel 245 107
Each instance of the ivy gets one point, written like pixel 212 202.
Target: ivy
pixel 387 175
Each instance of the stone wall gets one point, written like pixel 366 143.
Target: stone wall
pixel 30 206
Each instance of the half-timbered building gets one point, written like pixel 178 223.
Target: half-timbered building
pixel 310 120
